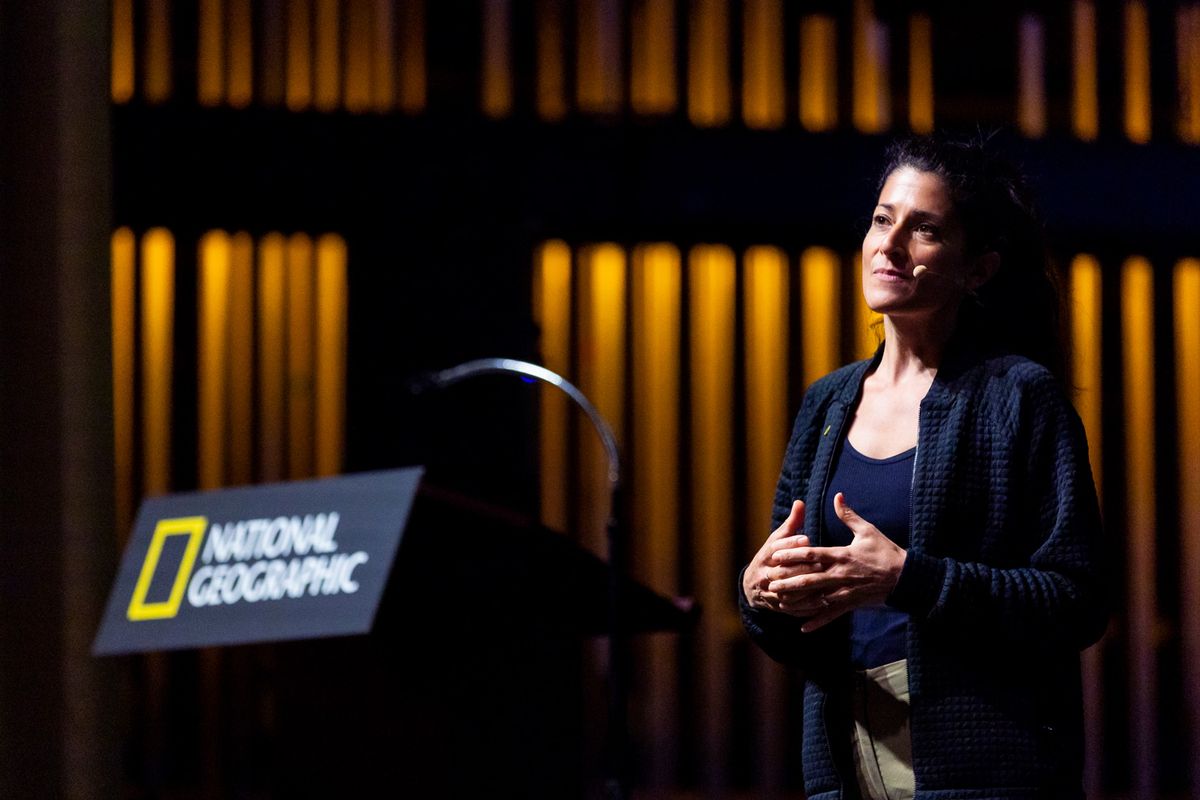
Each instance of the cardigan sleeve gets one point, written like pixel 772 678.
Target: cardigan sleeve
pixel 779 634
pixel 1060 595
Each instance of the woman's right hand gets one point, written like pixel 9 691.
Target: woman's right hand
pixel 763 569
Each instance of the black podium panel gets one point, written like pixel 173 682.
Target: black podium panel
pixel 472 683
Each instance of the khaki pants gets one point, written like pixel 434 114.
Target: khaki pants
pixel 881 742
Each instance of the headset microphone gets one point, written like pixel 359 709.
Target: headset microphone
pixel 921 269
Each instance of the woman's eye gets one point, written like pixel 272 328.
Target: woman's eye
pixel 926 229
pixel 880 219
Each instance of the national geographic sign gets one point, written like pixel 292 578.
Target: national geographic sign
pixel 264 563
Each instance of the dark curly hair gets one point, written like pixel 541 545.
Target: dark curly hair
pixel 1019 309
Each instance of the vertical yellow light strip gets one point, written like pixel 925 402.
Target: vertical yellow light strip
pixel 327 76
pixel 240 462
pixel 820 288
pixel 330 369
pixel 239 60
pixel 762 64
pixel 551 80
pixel 709 102
pixel 1031 75
pixel 383 57
pixel 656 511
pixel 1137 72
pixel 124 352
pixel 299 388
pixel 598 74
pixel 412 58
pixel 872 106
pixel 496 84
pixel 299 55
pixel 299 91
pixel 1085 103
pixel 210 50
pixel 158 320
pixel 766 357
pixel 652 85
pixel 1137 338
pixel 818 72
pixel 868 325
pixel 156 81
pixel 1187 50
pixel 211 381
pixel 712 297
pixel 552 314
pixel 122 86
pixel 920 73
pixel 359 47
pixel 272 354
pixel 1187 378
pixel 1086 317
pixel 766 351
pixel 601 374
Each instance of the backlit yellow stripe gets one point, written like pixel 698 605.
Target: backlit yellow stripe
pixel 818 73
pixel 552 314
pixel 820 322
pixel 1085 105
pixel 708 63
pixel 330 369
pixel 158 319
pixel 601 373
pixel 1086 310
pixel 1137 72
pixel 920 73
pixel 652 84
pixel 762 63
pixel 1137 332
pixel 124 301
pixel 122 51
pixel 497 86
pixel 766 354
pixel 213 366
pixel 210 72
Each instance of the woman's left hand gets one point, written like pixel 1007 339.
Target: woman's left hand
pixel 860 574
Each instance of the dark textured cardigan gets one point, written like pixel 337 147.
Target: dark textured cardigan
pixel 1004 584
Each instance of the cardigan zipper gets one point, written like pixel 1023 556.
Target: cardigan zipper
pixel 829 477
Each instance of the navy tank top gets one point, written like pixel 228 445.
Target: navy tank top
pixel 880 490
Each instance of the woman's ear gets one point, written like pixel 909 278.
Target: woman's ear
pixel 983 269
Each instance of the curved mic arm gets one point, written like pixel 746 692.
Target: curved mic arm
pixel 486 366
pixel 617 783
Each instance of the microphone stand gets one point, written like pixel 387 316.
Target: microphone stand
pixel 616 785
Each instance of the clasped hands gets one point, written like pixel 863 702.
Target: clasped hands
pixel 820 584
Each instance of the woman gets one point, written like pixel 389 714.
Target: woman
pixel 936 563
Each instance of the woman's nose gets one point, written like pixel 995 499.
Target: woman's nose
pixel 892 242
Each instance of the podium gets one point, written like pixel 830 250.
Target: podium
pixel 473 681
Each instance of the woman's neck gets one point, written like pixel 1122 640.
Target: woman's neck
pixel 914 347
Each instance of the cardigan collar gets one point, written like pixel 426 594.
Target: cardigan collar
pixel 961 354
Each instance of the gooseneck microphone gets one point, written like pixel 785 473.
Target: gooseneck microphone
pixel 617 781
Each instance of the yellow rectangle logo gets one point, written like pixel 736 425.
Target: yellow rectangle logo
pixel 193 528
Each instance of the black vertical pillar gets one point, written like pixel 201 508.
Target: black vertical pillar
pixel 57 730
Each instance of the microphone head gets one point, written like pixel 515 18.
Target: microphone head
pixel 919 270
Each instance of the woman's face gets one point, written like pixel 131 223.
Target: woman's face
pixel 913 224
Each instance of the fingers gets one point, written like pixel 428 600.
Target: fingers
pixel 847 514
pixel 792 525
